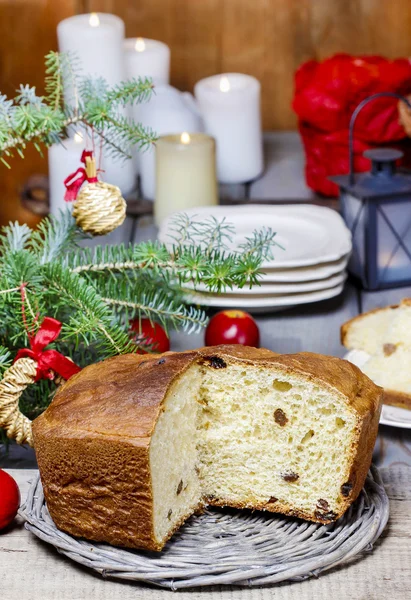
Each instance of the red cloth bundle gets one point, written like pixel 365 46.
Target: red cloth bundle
pixel 326 94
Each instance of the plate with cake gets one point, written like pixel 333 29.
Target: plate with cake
pixel 379 343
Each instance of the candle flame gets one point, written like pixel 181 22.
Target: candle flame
pixel 78 138
pixel 140 45
pixel 94 20
pixel 185 138
pixel 224 84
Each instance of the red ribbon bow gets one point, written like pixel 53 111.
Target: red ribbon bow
pixel 74 181
pixel 48 360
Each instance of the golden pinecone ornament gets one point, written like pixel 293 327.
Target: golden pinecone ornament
pixel 99 207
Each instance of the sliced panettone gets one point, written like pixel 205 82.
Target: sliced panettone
pixel 384 334
pixel 132 446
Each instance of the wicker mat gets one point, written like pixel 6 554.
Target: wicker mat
pixel 225 546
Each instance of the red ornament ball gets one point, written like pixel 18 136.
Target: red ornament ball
pixel 232 327
pixel 151 334
pixel 9 499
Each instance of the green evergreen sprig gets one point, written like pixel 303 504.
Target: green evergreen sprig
pixel 72 101
pixel 95 292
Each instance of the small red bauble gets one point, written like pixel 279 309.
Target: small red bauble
pixel 232 327
pixel 151 334
pixel 9 499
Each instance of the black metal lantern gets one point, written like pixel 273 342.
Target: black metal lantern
pixel 376 207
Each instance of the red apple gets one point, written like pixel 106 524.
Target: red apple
pixel 232 327
pixel 151 334
pixel 9 499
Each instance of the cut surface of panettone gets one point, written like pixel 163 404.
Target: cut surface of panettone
pixel 133 446
pixel 384 333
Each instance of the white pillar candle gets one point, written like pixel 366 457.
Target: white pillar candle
pixel 96 41
pixel 64 159
pixel 230 106
pixel 147 58
pixel 185 173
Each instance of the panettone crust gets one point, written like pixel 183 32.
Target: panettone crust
pixel 92 443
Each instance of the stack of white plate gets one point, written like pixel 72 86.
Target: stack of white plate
pixel 309 266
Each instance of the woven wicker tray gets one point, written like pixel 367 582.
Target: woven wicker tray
pixel 228 546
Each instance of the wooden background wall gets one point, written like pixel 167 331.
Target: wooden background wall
pixel 265 38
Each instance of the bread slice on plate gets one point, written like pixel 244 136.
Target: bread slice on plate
pixel 385 335
pixel 131 447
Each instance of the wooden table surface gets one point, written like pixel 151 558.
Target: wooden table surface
pixel 30 570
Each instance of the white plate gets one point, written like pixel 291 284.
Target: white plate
pixel 321 271
pixel 269 289
pixel 309 234
pixel 390 415
pixel 263 303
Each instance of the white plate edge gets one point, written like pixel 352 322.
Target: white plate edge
pixel 299 208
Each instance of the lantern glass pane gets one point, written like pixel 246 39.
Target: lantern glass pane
pixel 394 241
pixel 354 215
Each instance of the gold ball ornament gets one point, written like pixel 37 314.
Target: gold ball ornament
pixel 99 207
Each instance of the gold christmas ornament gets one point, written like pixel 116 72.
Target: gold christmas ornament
pixel 30 365
pixel 14 382
pixel 99 207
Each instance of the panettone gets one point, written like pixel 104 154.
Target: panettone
pixel 131 447
pixel 384 334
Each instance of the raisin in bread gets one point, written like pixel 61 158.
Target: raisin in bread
pixel 131 447
pixel 384 334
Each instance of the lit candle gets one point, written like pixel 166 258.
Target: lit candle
pixel 230 106
pixel 96 41
pixel 64 159
pixel 169 111
pixel 147 58
pixel 186 173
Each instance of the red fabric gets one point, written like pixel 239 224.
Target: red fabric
pixel 74 181
pixel 48 360
pixel 326 95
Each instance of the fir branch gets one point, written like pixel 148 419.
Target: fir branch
pixel 119 258
pixel 214 234
pixel 131 91
pixel 54 236
pixel 16 289
pixel 33 119
pixel 157 306
pixel 260 244
pixel 27 95
pixel 55 65
pixel 91 315
pixel 218 269
pixel 183 229
pixel 5 359
pixel 93 91
pixel 14 237
pixel 20 268
pixel 120 132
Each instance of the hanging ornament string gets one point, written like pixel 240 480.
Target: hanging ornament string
pixel 74 181
pixel 23 295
